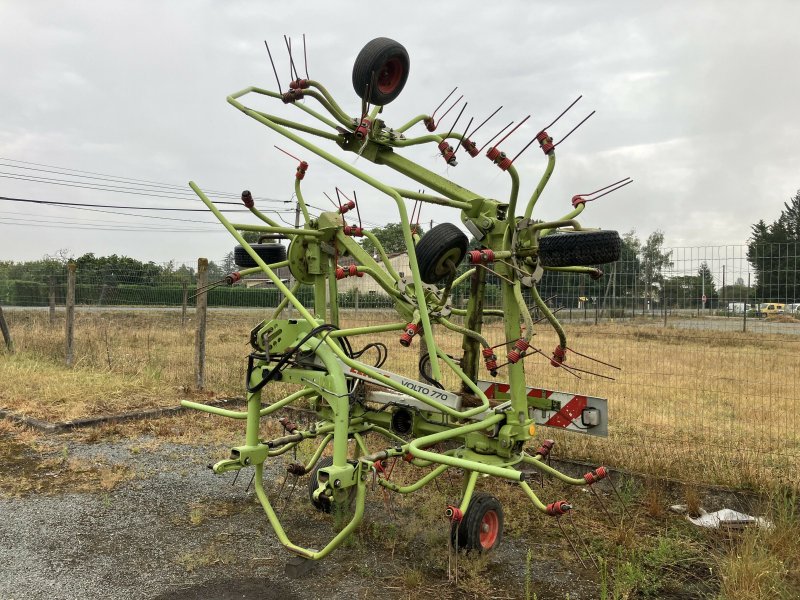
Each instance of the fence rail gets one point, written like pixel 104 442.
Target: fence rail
pixel 710 380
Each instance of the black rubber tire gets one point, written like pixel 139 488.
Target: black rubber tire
pixel 580 248
pixel 468 532
pixel 313 482
pixel 388 60
pixel 442 243
pixel 269 253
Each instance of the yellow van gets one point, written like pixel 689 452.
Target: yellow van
pixel 768 309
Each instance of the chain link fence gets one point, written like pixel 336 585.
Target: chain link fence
pixel 708 346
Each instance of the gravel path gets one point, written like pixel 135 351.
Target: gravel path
pixel 174 530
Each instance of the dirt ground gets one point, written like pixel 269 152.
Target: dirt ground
pixel 140 518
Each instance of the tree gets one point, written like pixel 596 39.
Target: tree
pixel 773 252
pixel 654 261
pixel 707 286
pixel 390 237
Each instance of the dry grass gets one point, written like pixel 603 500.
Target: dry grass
pixel 694 405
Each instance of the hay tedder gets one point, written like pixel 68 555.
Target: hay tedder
pixel 366 413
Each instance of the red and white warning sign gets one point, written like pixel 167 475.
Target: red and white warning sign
pixel 564 410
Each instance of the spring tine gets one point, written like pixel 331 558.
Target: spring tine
pixel 625 510
pixel 305 56
pixel 287 154
pixel 583 542
pixel 512 131
pixel 571 545
pixel 597 360
pixel 449 109
pixel 586 118
pixel 289 495
pixel 495 137
pixel 247 489
pixel 463 137
pixel 574 102
pixel 358 211
pixel 574 368
pixel 540 319
pixel 602 505
pixel 288 42
pixel 487 120
pixel 498 274
pixel 604 188
pixel 560 365
pixel 329 198
pixel 523 150
pixel 433 114
pixel 236 477
pixel 272 62
pixel 339 199
pixel 461 112
pixel 610 191
pixel 206 289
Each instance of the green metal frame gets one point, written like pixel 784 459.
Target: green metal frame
pixel 492 441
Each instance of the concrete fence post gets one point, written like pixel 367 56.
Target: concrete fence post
pixel 6 332
pixel 70 306
pixel 200 317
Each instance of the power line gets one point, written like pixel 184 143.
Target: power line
pixel 118 178
pixel 16 216
pixel 48 225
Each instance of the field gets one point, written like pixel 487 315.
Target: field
pixel 700 408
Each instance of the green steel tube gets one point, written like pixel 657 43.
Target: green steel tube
pixel 288 400
pixel 487 312
pixel 382 253
pixel 533 497
pixel 469 488
pixel 392 291
pixel 316 115
pixel 464 331
pixel 468 465
pixel 318 452
pixel 584 270
pixel 413 487
pixel 412 195
pixel 512 199
pixel 485 404
pixel 462 278
pixel 215 410
pixel 411 123
pixel 386 433
pixel 348 123
pixel 250 271
pixel 281 230
pixel 551 163
pixel 360 444
pixel 551 318
pixel 284 539
pixel 423 139
pixel 538 464
pixel 568 219
pixel 523 309
pixel 333 293
pixel 263 217
pixel 353 331
pixel 300 200
pixel 299 126
pixel 337 109
pixel 285 300
pixel 282 450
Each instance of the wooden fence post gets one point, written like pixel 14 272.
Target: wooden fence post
pixel 185 301
pixel 52 300
pixel 200 333
pixel 70 305
pixel 6 332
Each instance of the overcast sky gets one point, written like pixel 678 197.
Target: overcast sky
pixel 696 101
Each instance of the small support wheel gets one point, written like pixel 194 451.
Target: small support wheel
pixel 269 253
pixel 435 250
pixel 380 71
pixel 481 528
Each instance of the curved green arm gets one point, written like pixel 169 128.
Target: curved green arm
pixel 318 452
pixel 523 309
pixel 538 464
pixel 263 217
pixel 300 200
pixel 413 487
pixel 316 115
pixel 464 331
pixel 533 497
pixel 284 539
pixel 382 253
pixel 338 115
pixel 423 139
pixel 299 126
pixel 411 123
pixel 551 163
pixel 562 336
pixel 569 218
pixel 323 90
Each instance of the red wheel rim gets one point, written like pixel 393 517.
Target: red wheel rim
pixel 490 528
pixel 390 75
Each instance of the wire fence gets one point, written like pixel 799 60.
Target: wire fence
pixel 708 346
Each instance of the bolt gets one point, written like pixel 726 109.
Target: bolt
pixel 337 483
pixel 247 460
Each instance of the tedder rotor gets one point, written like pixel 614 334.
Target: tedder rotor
pixel 485 426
